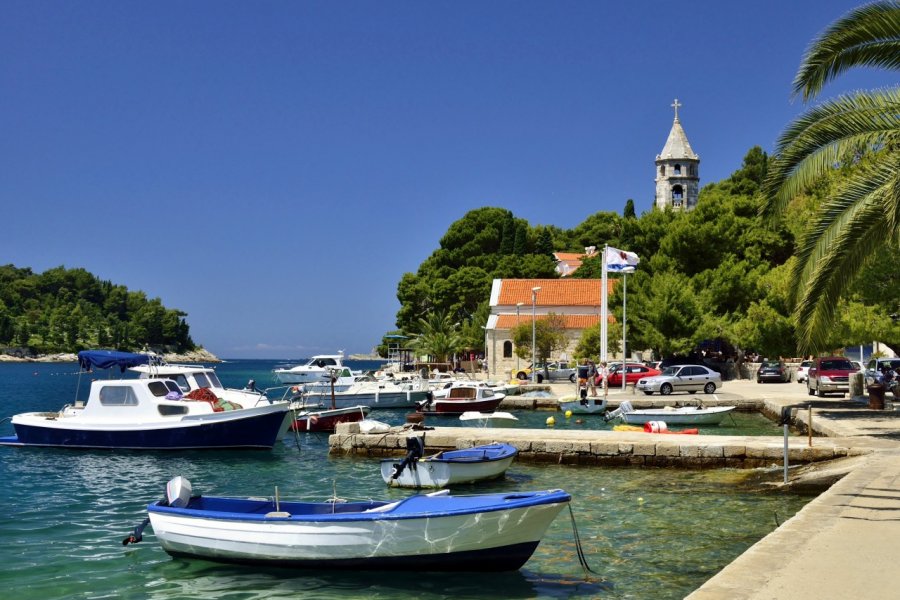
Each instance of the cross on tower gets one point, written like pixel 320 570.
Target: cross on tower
pixel 676 104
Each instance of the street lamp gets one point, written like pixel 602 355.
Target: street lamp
pixel 518 306
pixel 534 292
pixel 625 273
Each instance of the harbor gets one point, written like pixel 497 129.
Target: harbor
pixel 852 460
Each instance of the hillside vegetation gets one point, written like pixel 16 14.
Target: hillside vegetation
pixel 66 310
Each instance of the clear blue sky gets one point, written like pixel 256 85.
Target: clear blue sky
pixel 273 168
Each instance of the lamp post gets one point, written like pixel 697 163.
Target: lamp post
pixel 534 292
pixel 625 273
pixel 518 306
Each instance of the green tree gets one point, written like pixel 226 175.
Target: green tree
pixel 628 212
pixel 437 336
pixel 549 337
pixel 859 218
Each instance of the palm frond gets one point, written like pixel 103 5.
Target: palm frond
pixel 853 225
pixel 867 36
pixel 832 133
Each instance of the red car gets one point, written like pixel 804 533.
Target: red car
pixel 633 372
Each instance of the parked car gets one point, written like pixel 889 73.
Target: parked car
pixel 829 375
pixel 558 371
pixel 802 371
pixel 681 378
pixel 876 366
pixel 633 373
pixel 773 371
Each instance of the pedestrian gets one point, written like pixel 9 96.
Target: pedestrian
pixel 591 377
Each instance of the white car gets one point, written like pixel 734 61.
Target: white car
pixel 681 378
pixel 803 371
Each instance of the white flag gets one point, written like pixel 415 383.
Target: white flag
pixel 618 260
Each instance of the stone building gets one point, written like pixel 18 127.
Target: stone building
pixel 576 300
pixel 677 170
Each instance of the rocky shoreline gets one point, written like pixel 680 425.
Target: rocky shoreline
pixel 199 355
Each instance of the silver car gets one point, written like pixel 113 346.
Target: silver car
pixel 681 378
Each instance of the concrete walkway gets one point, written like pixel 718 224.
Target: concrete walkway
pixel 842 545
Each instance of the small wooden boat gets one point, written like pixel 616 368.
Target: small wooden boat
pixel 462 397
pixel 494 419
pixel 681 415
pixel 450 467
pixel 590 405
pixel 434 532
pixel 326 419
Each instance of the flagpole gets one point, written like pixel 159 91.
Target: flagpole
pixel 604 310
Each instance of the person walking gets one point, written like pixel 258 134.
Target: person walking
pixel 604 372
pixel 591 378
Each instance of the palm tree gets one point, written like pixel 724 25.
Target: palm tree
pixel 437 336
pixel 862 130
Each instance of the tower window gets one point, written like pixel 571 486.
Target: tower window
pixel 677 169
pixel 677 193
pixel 662 170
pixel 507 349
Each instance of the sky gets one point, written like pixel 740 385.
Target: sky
pixel 273 168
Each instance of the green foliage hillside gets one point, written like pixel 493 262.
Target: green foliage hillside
pixel 719 272
pixel 65 310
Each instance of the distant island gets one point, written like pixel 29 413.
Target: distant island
pixel 193 356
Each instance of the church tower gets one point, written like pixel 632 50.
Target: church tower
pixel 677 170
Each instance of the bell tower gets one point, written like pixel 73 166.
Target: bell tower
pixel 677 170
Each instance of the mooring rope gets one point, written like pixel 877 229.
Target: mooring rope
pixel 581 558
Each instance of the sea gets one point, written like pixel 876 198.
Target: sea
pixel 644 533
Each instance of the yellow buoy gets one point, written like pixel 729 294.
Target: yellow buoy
pixel 568 414
pixel 551 421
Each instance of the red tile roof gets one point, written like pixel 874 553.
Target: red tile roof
pixel 570 321
pixel 553 292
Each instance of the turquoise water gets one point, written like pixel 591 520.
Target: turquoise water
pixel 649 533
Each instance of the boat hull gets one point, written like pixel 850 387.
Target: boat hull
pixel 691 416
pixel 451 407
pixel 374 399
pixel 260 428
pixel 443 534
pixel 327 420
pixel 480 463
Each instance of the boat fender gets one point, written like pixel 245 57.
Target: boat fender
pixel 656 427
pixel 415 449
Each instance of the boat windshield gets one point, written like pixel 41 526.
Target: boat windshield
pixel 207 379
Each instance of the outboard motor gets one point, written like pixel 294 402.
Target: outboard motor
pixel 415 449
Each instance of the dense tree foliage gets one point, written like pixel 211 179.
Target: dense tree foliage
pixel 719 272
pixel 65 310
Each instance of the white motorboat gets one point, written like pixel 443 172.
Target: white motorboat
pixel 149 414
pixel 434 532
pixel 317 369
pixel 672 415
pixel 375 394
pixel 196 377
pixel 467 465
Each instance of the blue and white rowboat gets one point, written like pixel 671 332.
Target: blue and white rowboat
pixel 437 532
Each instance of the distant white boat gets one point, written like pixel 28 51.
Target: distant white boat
pixel 317 369
pixel 682 415
pixel 494 419
pixel 591 405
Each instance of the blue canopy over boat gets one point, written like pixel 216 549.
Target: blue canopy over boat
pixel 105 359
